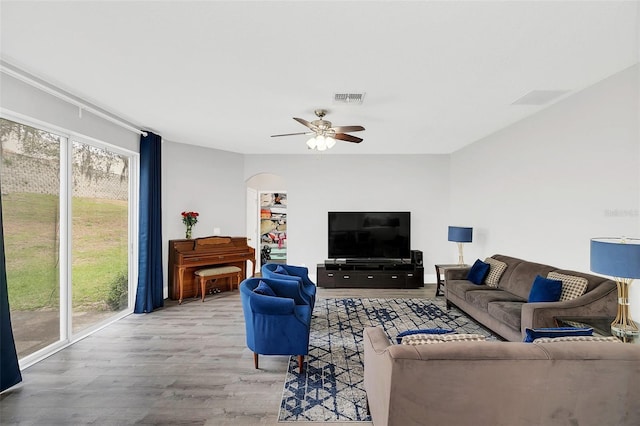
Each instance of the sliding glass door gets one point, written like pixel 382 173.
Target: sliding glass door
pixel 30 179
pixel 100 239
pixel 67 226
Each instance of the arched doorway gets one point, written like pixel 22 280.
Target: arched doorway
pixel 267 217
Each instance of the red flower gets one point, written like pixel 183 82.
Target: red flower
pixel 190 218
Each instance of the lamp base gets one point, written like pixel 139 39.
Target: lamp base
pixel 460 257
pixel 622 331
pixel 623 326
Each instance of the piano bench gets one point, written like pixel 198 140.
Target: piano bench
pixel 217 273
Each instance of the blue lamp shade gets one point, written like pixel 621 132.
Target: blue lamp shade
pixel 460 234
pixel 616 257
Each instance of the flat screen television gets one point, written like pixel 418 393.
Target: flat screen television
pixel 369 235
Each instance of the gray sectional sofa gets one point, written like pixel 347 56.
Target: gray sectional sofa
pixel 503 308
pixel 495 383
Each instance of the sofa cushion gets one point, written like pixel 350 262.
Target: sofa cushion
pixel 519 275
pixel 610 339
pixel 496 269
pixel 545 290
pixel 478 271
pixel 511 262
pixel 428 339
pixel 264 289
pixel 280 270
pixel 572 286
pixel 423 331
pixel 593 280
pixel 509 313
pixel 461 287
pixel 531 335
pixel 481 298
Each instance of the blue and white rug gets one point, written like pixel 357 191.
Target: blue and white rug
pixel 331 389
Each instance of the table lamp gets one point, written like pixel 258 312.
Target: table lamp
pixel 460 235
pixel 620 259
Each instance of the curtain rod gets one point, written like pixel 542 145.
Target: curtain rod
pixel 40 84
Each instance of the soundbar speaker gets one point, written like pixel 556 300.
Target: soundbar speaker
pixel 416 257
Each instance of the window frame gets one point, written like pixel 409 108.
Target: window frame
pixel 65 210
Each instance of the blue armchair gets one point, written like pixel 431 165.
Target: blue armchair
pixel 293 273
pixel 276 325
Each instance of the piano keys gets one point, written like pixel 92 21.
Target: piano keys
pixel 187 256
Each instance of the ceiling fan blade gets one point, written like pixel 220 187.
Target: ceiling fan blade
pixel 293 134
pixel 348 138
pixel 345 129
pixel 306 123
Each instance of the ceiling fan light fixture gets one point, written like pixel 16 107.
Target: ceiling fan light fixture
pixel 311 143
pixel 321 143
pixel 330 142
pixel 325 134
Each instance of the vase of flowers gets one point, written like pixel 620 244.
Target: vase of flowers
pixel 189 219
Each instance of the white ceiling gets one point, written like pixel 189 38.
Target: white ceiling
pixel 438 75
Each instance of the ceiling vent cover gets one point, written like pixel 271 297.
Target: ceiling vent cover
pixel 348 98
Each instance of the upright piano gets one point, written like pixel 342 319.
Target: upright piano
pixel 187 256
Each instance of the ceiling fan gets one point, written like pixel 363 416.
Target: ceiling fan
pixel 325 134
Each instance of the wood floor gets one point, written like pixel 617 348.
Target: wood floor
pixel 182 364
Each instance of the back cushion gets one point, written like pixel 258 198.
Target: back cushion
pixel 519 281
pixel 519 276
pixel 280 270
pixel 428 339
pixel 593 281
pixel 511 263
pixel 572 285
pixel 496 269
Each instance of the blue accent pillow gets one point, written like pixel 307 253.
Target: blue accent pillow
pixel 264 289
pixel 533 334
pixel 478 272
pixel 423 331
pixel 545 290
pixel 281 270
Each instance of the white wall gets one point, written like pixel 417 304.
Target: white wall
pixel 206 181
pixel 541 188
pixel 319 183
pixel 22 99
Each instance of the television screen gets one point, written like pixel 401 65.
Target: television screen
pixel 369 235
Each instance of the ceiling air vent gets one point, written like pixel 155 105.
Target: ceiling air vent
pixel 348 98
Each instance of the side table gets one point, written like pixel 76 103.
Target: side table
pixel 440 270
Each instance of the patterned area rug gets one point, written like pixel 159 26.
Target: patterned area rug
pixel 332 387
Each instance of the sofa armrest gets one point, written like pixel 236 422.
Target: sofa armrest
pixel 377 373
pixel 601 301
pixel 377 339
pixel 460 273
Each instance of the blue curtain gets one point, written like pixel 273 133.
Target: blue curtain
pixel 9 367
pixel 150 294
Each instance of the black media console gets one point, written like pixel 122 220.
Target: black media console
pixel 370 274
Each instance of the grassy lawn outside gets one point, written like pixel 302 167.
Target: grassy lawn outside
pixel 99 252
